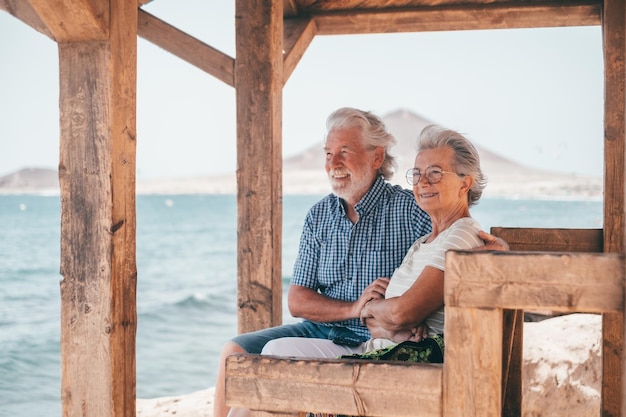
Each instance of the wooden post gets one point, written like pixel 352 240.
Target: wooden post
pixel 472 372
pixel 258 83
pixel 97 179
pixel 613 363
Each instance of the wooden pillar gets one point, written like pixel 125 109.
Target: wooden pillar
pixel 613 26
pixel 97 179
pixel 472 373
pixel 258 83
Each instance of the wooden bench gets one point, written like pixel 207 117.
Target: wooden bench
pixel 485 296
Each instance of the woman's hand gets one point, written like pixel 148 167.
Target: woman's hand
pixel 491 242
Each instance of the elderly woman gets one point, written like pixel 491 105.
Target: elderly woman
pixel 447 181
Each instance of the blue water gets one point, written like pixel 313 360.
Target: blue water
pixel 186 295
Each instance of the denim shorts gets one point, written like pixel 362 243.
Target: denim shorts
pixel 253 342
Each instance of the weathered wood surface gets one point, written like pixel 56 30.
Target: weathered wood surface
pixel 75 20
pixel 97 181
pixel 259 83
pixel 512 362
pixel 613 329
pixel 551 240
pixel 480 16
pixel 472 374
pixel 186 47
pixel 575 282
pixel 350 387
pixel 316 6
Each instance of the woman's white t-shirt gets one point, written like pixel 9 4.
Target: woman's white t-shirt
pixel 461 235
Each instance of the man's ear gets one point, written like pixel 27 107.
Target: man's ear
pixel 379 156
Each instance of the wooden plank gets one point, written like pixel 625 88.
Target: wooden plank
pixel 74 20
pixel 259 83
pixel 97 181
pixel 512 362
pixel 474 17
pixel 186 47
pixel 614 49
pixel 25 12
pixel 350 387
pixel 298 34
pixel 316 6
pixel 473 365
pixel 551 240
pixel 576 282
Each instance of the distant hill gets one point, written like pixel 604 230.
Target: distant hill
pixel 30 180
pixel 304 172
pixel 505 177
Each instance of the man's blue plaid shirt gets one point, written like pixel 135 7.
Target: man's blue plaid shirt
pixel 340 259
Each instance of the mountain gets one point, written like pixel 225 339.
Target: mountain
pixel 304 173
pixel 506 178
pixel 37 180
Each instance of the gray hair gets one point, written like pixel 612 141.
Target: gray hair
pixel 373 133
pixel 467 160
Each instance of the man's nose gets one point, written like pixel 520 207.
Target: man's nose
pixel 336 160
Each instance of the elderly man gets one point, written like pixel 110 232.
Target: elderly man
pixel 350 238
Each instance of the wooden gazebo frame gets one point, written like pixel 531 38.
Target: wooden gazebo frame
pixel 97 42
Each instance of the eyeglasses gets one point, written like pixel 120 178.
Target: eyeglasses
pixel 433 175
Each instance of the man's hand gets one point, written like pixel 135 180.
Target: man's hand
pixel 491 242
pixel 374 291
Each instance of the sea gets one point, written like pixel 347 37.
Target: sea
pixel 186 288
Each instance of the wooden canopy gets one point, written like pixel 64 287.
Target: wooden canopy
pixel 97 42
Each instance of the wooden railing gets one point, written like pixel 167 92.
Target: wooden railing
pixel 485 296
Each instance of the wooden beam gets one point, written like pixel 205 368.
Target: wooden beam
pixel 186 47
pixel 259 83
pixel 502 15
pixel 298 34
pixel 98 224
pixel 341 386
pixel 575 282
pixel 74 20
pixel 25 12
pixel 614 48
pixel 550 239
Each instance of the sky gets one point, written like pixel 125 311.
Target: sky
pixel 535 96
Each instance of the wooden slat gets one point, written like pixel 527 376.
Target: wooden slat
pixel 186 47
pixel 98 224
pixel 614 49
pixel 551 240
pixel 316 6
pixel 74 20
pixel 298 34
pixel 512 362
pixel 350 387
pixel 486 16
pixel 473 364
pixel 259 83
pixel 576 282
